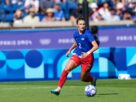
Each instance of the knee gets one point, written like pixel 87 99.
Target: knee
pixel 67 69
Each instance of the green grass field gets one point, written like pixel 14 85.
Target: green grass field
pixel 109 90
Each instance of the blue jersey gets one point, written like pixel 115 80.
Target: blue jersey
pixel 83 42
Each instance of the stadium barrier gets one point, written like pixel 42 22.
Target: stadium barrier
pixel 63 24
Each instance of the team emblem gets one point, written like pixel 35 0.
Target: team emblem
pixel 82 38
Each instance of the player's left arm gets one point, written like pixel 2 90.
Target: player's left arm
pixel 94 44
pixel 94 48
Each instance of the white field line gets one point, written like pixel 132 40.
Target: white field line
pixel 26 88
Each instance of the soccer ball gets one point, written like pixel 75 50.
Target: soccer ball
pixel 124 77
pixel 90 90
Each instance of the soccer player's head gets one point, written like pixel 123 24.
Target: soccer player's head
pixel 81 24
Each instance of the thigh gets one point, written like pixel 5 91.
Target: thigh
pixel 87 64
pixel 86 67
pixel 70 65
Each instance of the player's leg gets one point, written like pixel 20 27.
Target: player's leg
pixel 69 67
pixel 87 64
pixel 86 77
pixel 85 74
pixel 72 64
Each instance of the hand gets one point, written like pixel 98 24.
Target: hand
pixel 84 54
pixel 67 53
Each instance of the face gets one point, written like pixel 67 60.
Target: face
pixel 57 7
pixel 112 12
pixel 18 14
pixel 50 14
pixel 106 5
pixel 32 13
pixel 81 25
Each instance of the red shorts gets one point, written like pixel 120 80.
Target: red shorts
pixel 86 63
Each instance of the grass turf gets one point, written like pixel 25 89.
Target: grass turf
pixel 110 90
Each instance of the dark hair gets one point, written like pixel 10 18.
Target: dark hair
pixel 79 18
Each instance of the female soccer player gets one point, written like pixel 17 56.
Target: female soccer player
pixel 84 46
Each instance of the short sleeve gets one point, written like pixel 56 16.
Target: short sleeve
pixel 89 35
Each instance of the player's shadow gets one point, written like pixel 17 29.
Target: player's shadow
pixel 108 94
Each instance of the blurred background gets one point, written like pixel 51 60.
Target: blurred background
pixel 35 34
pixel 42 11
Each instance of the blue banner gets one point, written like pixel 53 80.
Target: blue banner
pixel 43 64
pixel 121 36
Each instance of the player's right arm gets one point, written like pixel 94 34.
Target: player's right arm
pixel 74 45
